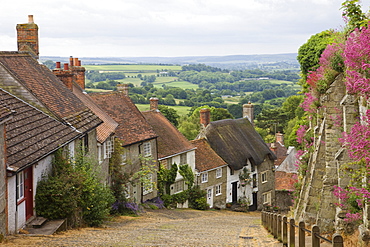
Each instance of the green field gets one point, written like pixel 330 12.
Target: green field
pixel 181 110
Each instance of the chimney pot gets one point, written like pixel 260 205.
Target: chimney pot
pixel 57 65
pixel 205 117
pixel 66 66
pixel 30 19
pixel 75 61
pixel 153 103
pixel 79 63
pixel 71 61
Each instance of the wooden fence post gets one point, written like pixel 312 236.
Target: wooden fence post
pixel 292 233
pixel 315 239
pixel 337 240
pixel 301 234
pixel 279 228
pixel 274 221
pixel 270 222
pixel 285 231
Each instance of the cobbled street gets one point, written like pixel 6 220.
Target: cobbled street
pixel 179 227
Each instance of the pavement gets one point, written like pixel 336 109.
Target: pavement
pixel 163 227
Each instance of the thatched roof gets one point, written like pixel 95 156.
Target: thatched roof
pixel 236 141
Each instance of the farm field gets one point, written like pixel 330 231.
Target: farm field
pixel 181 110
pixel 133 68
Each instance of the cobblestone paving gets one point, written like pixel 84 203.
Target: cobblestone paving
pixel 180 227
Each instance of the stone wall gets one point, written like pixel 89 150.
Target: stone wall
pixel 316 203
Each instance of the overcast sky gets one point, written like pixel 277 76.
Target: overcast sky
pixel 133 28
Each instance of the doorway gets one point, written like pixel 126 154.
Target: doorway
pixel 234 192
pixel 28 192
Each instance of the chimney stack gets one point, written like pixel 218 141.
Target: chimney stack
pixel 65 75
pixel 28 37
pixel 205 117
pixel 123 88
pixel 248 111
pixel 153 103
pixel 280 138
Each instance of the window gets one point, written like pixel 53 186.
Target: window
pixel 85 143
pixel 218 190
pixel 169 163
pixel 147 151
pixel 124 157
pixel 183 159
pixel 219 173
pixel 148 186
pixel 209 193
pixel 20 186
pixel 204 177
pixel 266 198
pixel 264 177
pixel 178 186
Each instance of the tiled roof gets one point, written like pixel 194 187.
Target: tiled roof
pixel 108 126
pixel 205 157
pixel 46 89
pixel 236 141
pixel 170 141
pixel 4 112
pixel 31 134
pixel 280 151
pixel 132 126
pixel 285 181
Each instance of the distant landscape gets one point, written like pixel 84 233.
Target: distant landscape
pixel 183 84
pixel 285 61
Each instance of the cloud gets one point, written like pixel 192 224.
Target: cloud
pixel 170 27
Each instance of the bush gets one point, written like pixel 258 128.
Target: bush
pixel 197 198
pixel 73 192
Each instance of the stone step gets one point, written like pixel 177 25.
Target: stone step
pixel 38 222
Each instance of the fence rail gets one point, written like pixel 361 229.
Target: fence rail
pixel 279 226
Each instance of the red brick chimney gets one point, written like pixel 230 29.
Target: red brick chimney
pixel 153 103
pixel 65 75
pixel 248 111
pixel 205 117
pixel 123 88
pixel 28 37
pixel 78 71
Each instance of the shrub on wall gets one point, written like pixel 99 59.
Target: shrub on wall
pixel 73 191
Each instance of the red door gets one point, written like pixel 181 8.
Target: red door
pixel 28 192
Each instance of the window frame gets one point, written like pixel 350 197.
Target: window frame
pixel 20 186
pixel 147 149
pixel 264 177
pixel 204 177
pixel 219 173
pixel 149 189
pixel 218 190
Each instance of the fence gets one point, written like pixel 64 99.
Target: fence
pixel 279 226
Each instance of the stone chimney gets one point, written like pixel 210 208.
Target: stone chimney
pixel 153 103
pixel 65 74
pixel 248 111
pixel 280 138
pixel 205 117
pixel 28 37
pixel 78 71
pixel 123 88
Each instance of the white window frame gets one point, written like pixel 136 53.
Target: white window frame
pixel 218 190
pixel 178 186
pixel 147 149
pixel 264 177
pixel 219 173
pixel 20 186
pixel 209 193
pixel 266 197
pixel 204 177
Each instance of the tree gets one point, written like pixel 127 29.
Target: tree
pixel 170 114
pixel 49 63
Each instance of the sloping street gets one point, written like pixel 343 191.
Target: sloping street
pixel 179 227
